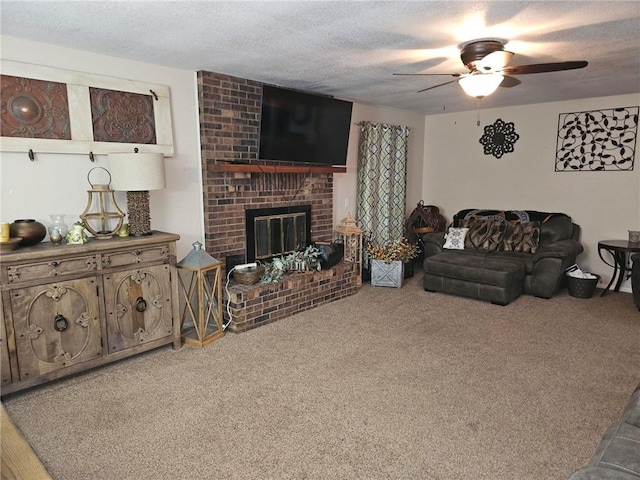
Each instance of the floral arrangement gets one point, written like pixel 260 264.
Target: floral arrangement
pixel 397 250
pixel 301 261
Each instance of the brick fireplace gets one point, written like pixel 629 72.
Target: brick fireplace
pixel 229 110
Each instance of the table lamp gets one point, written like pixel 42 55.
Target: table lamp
pixel 137 173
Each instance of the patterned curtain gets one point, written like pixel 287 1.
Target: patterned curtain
pixel 382 180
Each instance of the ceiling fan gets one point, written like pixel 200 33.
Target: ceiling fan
pixel 488 61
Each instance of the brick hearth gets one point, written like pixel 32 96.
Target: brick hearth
pixel 255 305
pixel 229 131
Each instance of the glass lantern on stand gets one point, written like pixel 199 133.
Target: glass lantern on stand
pixel 350 235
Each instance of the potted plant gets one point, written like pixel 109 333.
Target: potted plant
pixel 387 262
pixel 300 262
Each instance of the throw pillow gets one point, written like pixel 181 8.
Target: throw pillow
pixel 484 235
pixel 522 237
pixel 455 238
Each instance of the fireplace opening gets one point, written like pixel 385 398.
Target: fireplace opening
pixel 271 232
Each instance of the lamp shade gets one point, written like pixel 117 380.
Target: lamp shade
pixel 137 171
pixel 480 85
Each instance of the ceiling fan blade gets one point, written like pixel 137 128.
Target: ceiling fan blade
pixel 493 62
pixel 436 86
pixel 544 67
pixel 509 82
pixel 446 74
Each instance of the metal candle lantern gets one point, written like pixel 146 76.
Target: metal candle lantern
pixel 201 289
pixel 351 235
pixel 98 217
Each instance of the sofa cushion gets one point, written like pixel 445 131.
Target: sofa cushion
pixel 525 258
pixel 618 453
pixel 599 473
pixel 618 449
pixel 454 239
pixel 521 237
pixel 553 226
pixel 484 235
pixel 556 226
pixel 631 413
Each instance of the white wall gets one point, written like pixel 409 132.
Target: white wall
pixel 57 183
pixel 458 175
pixel 345 183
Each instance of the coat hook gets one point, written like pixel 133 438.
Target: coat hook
pixel 31 155
pixel 91 157
pixel 154 94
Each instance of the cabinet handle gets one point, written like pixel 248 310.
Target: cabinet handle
pixel 141 304
pixel 54 263
pixel 60 323
pixel 136 252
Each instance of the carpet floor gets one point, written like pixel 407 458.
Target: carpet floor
pixel 386 384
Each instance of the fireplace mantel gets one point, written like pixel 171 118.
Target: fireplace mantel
pixel 262 168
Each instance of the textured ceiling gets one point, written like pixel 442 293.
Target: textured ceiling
pixel 351 49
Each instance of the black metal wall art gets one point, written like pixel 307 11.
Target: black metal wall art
pixel 499 138
pixel 597 140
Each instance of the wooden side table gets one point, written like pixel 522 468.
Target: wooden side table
pixel 619 251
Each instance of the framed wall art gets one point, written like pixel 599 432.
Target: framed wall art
pixel 50 110
pixel 597 140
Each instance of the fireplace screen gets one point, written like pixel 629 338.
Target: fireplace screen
pixel 277 231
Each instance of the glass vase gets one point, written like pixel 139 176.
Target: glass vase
pixel 57 222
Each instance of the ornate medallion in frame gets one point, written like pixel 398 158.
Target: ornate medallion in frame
pixel 51 110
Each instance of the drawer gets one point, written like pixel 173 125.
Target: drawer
pixel 49 269
pixel 136 256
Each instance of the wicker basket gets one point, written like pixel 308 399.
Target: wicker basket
pixel 421 230
pixel 248 276
pixel 582 287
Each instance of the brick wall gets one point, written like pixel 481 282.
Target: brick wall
pixel 229 109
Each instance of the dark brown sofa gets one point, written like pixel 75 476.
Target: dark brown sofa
pixel 511 252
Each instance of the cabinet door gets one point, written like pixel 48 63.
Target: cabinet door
pixel 56 325
pixel 5 367
pixel 138 304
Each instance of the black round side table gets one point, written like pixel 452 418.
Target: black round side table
pixel 619 251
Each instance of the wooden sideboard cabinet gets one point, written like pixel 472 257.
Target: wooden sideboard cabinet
pixel 68 308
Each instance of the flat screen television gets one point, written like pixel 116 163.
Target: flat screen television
pixel 303 128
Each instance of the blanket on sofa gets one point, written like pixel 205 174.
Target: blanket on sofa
pixel 501 230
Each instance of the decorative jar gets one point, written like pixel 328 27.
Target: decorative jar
pixel 54 235
pixel 29 230
pixel 57 222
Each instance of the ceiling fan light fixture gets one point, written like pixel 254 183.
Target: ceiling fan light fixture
pixel 481 85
